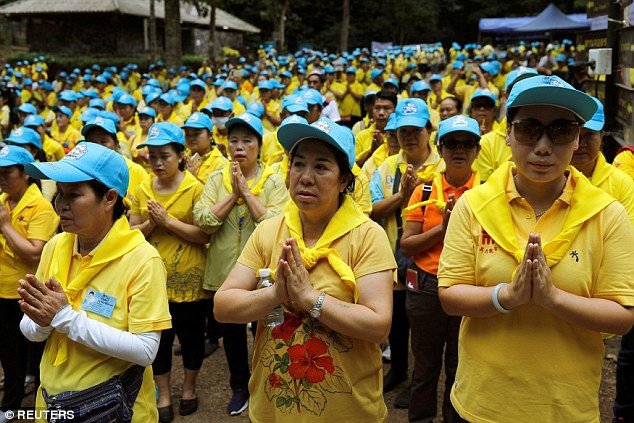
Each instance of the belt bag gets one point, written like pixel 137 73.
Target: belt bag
pixel 108 402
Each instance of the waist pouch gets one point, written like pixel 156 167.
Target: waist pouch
pixel 108 402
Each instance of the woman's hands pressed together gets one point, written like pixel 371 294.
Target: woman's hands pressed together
pixel 41 301
pixel 293 277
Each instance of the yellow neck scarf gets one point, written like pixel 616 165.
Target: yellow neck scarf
pixel 602 171
pixel 380 154
pixel 31 195
pixel 440 200
pixel 188 181
pixel 208 160
pixel 491 208
pixel 257 186
pixel 348 217
pixel 119 241
pixel 425 173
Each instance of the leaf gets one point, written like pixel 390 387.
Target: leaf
pixel 277 357
pixel 312 400
pixel 341 343
pixel 337 382
pixel 280 345
pixel 280 402
pixel 267 356
pixel 278 366
pixel 289 401
pixel 286 359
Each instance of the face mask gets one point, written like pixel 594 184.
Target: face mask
pixel 219 122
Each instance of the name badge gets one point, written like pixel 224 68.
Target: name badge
pixel 99 303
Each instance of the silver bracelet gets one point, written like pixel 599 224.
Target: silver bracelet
pixel 496 301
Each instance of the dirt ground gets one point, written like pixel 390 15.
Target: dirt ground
pixel 214 392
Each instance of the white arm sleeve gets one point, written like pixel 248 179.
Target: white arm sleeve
pixel 138 348
pixel 34 332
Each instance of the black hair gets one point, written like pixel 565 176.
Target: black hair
pixel 456 101
pixel 100 190
pixel 31 180
pixel 387 95
pixel 179 148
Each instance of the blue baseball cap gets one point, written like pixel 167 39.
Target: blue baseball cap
pixel 324 129
pixel 293 119
pixel 263 85
pixel 435 77
pixel 68 95
pixel 484 92
pixel 153 82
pixel 312 96
pixel 420 85
pixel 218 82
pixel 148 111
pixel 458 64
pixel 230 85
pixel 391 123
pixel 89 114
pixel 181 92
pixel 101 79
pixel 63 109
pixel 126 99
pixel 87 161
pixel 489 67
pixel 167 98
pixel 222 103
pixel 109 115
pixel 516 75
pixel 152 96
pixel 411 112
pixel 551 91
pixel 254 123
pixel 28 108
pixel 24 136
pixel 97 103
pixel 163 133
pixel 100 122
pixel 598 119
pixel 286 74
pixel 256 109
pixel 90 93
pixel 391 81
pixel 33 121
pixel 376 73
pixel 351 69
pixel 458 123
pixel 12 155
pixel 199 120
pixel 198 83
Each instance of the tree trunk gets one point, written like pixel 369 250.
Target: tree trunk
pixel 152 23
pixel 173 43
pixel 282 48
pixel 345 26
pixel 212 34
pixel 278 18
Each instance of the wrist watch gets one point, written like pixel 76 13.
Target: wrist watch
pixel 315 311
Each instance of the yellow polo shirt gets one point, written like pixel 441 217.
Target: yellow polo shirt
pixel 625 161
pixel 493 152
pixel 212 161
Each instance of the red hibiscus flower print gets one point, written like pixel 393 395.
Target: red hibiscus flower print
pixel 308 361
pixel 286 330
pixel 275 380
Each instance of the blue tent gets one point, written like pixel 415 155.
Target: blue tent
pixel 551 19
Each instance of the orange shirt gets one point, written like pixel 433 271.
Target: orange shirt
pixel 431 216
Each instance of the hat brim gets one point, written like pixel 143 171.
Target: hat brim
pixel 594 125
pixel 291 134
pixel 197 125
pixel 462 129
pixel 294 108
pixel 572 100
pixel 7 163
pixel 418 122
pixel 157 142
pixel 60 171
pixel 236 121
pixel 90 126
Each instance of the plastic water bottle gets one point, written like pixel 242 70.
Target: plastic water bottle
pixel 276 316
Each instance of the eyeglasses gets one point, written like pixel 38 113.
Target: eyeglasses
pixel 454 144
pixel 560 131
pixel 482 105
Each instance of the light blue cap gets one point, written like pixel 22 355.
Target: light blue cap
pixel 551 91
pixel 264 85
pixel 89 114
pixel 68 95
pixel 517 75
pixel 163 133
pixel 324 129
pixel 483 92
pixel 286 74
pixel 24 136
pixel 199 120
pixel 351 69
pixel 99 122
pixel 87 161
pixel 181 93
pixel 109 115
pixel 312 96
pixel 435 77
pixel 101 79
pixel 126 99
pixel 294 104
pixel 598 119
pixel 12 155
pixel 90 93
pixel 198 83
pixel 28 108
pixel 489 67
pixel 458 64
pixel 391 81
pixel 167 98
pixel 218 82
pixel 561 57
pixel 246 119
pixel 231 85
pixel 33 120
pixel 420 85
pixel 97 103
pixel 256 109
pixel 458 123
pixel 63 109
pixel 293 119
pixel 153 82
pixel 412 112
pixel 375 73
pixel 152 96
pixel 391 123
pixel 148 111
pixel 222 103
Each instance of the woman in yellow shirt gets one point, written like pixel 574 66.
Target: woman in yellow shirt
pixel 162 210
pixel 333 275
pixel 98 298
pixel 199 140
pixel 147 115
pixel 27 222
pixel 537 260
pixel 65 133
pixel 236 199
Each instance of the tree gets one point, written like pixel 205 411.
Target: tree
pixel 212 33
pixel 279 8
pixel 173 43
pixel 152 24
pixel 345 26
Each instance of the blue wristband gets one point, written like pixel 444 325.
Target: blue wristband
pixel 496 302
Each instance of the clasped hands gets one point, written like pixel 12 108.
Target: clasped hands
pixel 41 301
pixel 533 279
pixel 292 281
pixel 239 182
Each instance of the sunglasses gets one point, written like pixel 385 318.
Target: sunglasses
pixel 482 105
pixel 560 131
pixel 453 144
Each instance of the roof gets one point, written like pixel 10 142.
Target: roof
pixel 550 19
pixel 141 8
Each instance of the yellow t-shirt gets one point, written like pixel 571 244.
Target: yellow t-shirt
pixel 363 141
pixel 184 261
pixel 212 161
pixel 349 106
pixel 175 118
pixel 221 139
pixel 136 281
pixel 347 373
pixel 361 194
pixel 493 152
pixel 53 150
pixel 616 183
pixel 272 151
pixel 542 367
pixel 138 175
pixel 33 218
pixel 274 108
pixel 625 161
pixel 229 235
pixel 68 139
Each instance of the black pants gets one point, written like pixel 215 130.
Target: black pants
pixel 624 401
pixel 234 341
pixel 188 323
pixel 12 353
pixel 214 329
pixel 456 417
pixel 432 332
pixel 399 334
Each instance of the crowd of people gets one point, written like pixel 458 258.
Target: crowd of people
pixel 453 202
